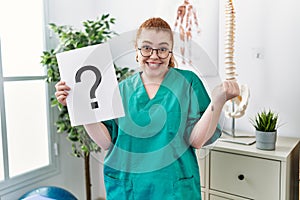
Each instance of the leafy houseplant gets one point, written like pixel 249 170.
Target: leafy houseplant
pixel 265 124
pixel 95 32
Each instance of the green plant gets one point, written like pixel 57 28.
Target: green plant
pixel 266 121
pixel 94 32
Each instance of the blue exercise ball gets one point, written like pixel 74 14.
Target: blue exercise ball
pixel 50 192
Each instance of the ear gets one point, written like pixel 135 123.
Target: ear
pixel 137 58
pixel 172 61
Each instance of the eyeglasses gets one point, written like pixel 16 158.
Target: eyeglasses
pixel 147 51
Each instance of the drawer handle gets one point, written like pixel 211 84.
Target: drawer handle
pixel 241 177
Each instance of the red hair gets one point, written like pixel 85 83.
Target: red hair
pixel 157 24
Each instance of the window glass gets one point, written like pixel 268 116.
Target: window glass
pixel 21 34
pixel 26 121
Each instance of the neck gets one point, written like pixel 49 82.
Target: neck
pixel 153 79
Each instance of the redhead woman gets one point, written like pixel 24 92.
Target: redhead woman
pixel 168 114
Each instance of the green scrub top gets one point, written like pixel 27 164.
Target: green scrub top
pixel 150 156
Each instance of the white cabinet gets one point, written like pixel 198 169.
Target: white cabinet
pixel 238 172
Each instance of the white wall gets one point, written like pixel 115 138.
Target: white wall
pixel 268 27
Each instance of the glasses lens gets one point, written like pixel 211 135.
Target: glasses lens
pixel 146 51
pixel 163 53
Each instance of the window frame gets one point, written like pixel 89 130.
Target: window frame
pixel 12 184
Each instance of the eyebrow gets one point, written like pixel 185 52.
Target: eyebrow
pixel 162 43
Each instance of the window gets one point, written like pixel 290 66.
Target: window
pixel 25 142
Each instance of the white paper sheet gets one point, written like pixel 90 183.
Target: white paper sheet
pixel 80 68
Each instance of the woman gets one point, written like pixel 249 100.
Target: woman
pixel 151 151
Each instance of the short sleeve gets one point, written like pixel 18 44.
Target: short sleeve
pixel 112 127
pixel 199 102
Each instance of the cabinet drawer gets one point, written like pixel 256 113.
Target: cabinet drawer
pixel 215 197
pixel 250 177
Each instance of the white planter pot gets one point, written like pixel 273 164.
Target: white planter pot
pixel 266 140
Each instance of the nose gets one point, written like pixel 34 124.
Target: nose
pixel 156 53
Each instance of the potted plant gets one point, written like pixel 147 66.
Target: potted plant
pixel 265 124
pixel 95 32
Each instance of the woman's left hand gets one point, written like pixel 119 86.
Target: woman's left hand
pixel 229 89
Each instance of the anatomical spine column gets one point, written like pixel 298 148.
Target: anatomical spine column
pixel 229 41
pixel 240 103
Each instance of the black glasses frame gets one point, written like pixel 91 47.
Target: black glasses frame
pixel 151 52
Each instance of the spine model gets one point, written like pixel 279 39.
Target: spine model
pixel 239 104
pixel 229 41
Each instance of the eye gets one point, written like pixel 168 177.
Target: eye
pixel 163 49
pixel 146 48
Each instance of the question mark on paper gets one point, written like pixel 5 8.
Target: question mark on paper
pixel 96 84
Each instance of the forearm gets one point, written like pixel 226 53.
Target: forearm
pixel 99 133
pixel 206 126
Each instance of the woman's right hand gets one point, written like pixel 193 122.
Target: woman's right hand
pixel 61 92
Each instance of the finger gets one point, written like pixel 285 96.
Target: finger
pixel 232 86
pixel 238 91
pixel 236 88
pixel 61 93
pixel 230 89
pixel 61 85
pixel 63 88
pixel 62 100
pixel 226 86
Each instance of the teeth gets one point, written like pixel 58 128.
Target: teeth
pixel 154 64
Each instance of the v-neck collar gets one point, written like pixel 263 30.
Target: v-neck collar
pixel 160 86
